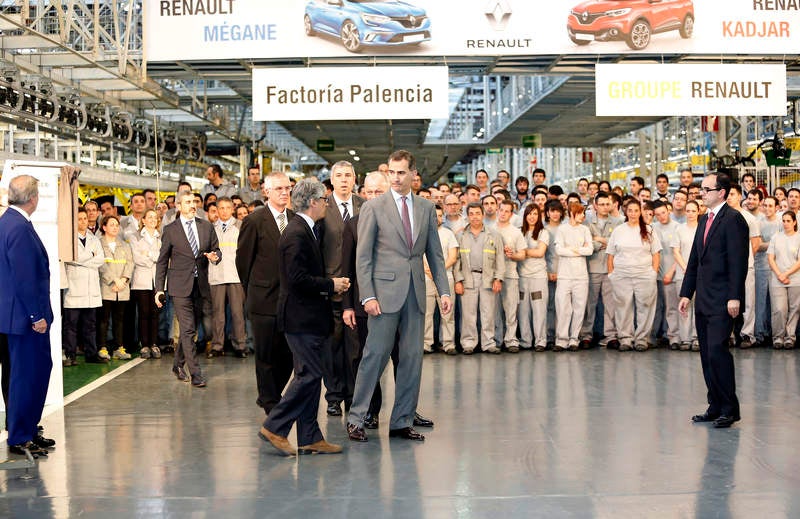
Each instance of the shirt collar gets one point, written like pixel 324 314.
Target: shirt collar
pixel 21 211
pixel 716 210
pixel 397 196
pixel 184 220
pixel 309 221
pixel 339 201
pixel 274 212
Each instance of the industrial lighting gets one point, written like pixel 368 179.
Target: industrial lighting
pixel 352 152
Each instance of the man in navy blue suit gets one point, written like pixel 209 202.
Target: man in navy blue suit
pixel 715 275
pixel 25 317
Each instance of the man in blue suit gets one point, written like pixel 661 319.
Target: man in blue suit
pixel 25 317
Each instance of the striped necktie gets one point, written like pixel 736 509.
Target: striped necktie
pixel 281 222
pixel 192 243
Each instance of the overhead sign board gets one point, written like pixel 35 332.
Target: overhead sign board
pixel 324 145
pixel 350 93
pixel 532 141
pixel 241 29
pixel 656 90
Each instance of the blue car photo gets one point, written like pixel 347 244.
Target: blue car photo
pixel 360 23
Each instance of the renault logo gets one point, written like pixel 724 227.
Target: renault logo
pixel 498 12
pixel 413 20
pixel 585 16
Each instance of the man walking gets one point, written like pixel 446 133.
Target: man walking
pixel 395 231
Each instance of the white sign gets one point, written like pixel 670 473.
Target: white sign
pixel 652 90
pixel 237 29
pixel 349 93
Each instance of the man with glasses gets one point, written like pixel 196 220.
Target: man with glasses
pixel 715 274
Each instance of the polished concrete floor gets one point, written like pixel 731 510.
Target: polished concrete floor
pixel 584 434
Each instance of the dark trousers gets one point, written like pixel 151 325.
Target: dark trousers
pixel 148 316
pixel 115 311
pixel 5 360
pixel 301 401
pixel 187 309
pixel 334 362
pixel 273 360
pixel 30 375
pixel 75 322
pixel 713 332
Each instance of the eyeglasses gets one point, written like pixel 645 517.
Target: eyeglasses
pixel 709 190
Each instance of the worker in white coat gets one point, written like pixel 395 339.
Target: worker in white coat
pixel 573 245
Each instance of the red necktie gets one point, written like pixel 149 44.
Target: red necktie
pixel 708 227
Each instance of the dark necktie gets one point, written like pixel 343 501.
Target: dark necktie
pixel 224 227
pixel 281 222
pixel 346 213
pixel 192 243
pixel 83 240
pixel 407 223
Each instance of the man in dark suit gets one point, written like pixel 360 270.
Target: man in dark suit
pixel 394 232
pixel 257 265
pixel 25 317
pixel 187 245
pixel 716 273
pixel 343 205
pixel 305 316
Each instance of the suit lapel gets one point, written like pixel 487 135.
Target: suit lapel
pixel 394 215
pixel 722 213
pixel 311 238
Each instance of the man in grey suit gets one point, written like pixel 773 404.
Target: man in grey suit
pixel 395 230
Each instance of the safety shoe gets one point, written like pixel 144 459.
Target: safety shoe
pixel 155 352
pixel 103 354
pixel 121 354
pixel 144 352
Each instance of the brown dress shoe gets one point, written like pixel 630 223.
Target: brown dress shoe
pixel 356 433
pixel 320 447
pixel 281 443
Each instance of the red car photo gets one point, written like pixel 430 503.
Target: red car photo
pixel 631 21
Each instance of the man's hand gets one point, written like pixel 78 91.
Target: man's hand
pixel 158 299
pixel 349 318
pixel 683 306
pixel 459 286
pixel 497 286
pixel 733 308
pixel 372 307
pixel 211 256
pixel 552 276
pixel 40 326
pixel 447 305
pixel 341 285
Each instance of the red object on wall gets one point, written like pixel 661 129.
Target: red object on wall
pixel 709 123
pixel 588 156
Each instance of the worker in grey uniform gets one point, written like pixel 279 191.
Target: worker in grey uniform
pixel 667 320
pixel 479 279
pixel 554 218
pixel 514 251
pixel 600 225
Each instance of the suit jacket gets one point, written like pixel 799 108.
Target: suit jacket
pixel 384 264
pixel 332 228
pixel 716 271
pixel 257 261
pixel 351 298
pixel 305 302
pixel 24 276
pixel 176 261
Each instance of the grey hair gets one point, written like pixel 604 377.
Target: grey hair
pixel 274 175
pixel 343 164
pixel 304 192
pixel 375 176
pixel 22 189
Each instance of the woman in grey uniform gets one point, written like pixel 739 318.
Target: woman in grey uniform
pixel 681 248
pixel 783 256
pixel 633 259
pixel 573 246
pixel 532 315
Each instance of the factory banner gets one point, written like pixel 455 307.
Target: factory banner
pixel 269 29
pixel 349 93
pixel 683 89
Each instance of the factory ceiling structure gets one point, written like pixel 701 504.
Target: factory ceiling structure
pixel 82 68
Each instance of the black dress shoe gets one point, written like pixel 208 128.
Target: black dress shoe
pixel 95 360
pixel 240 354
pixel 371 421
pixel 214 353
pixel 180 373
pixel 421 421
pixel 198 381
pixel 406 433
pixel 356 433
pixel 705 417
pixel 23 449
pixel 723 422
pixel 41 441
pixel 335 409
pixel 613 344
